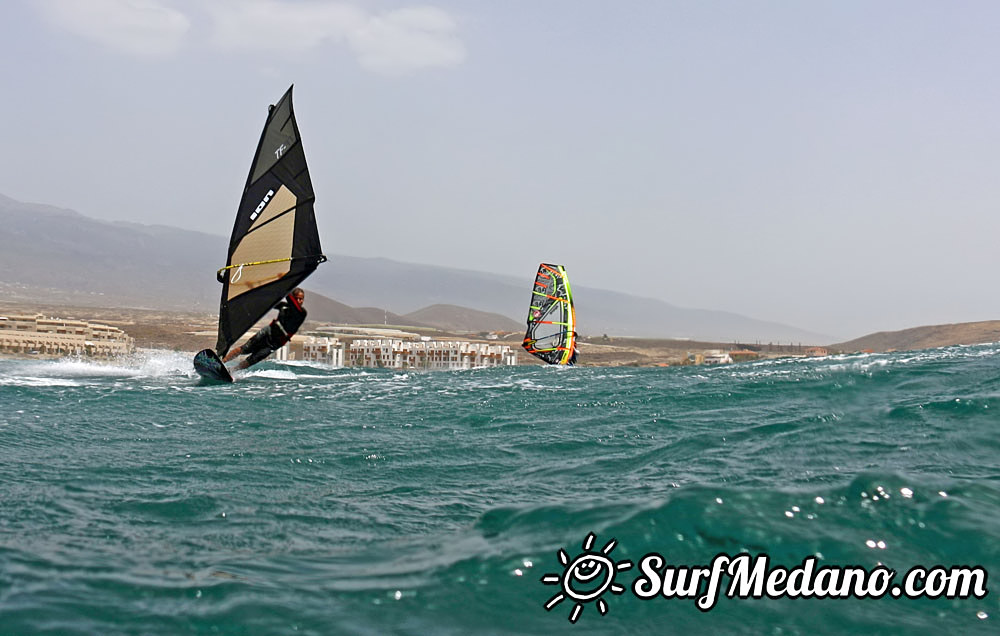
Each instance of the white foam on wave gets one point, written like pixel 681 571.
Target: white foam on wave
pixel 855 363
pixel 530 385
pixel 37 381
pixel 304 364
pixel 273 374
pixel 72 371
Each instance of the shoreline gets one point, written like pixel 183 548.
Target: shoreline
pixel 191 331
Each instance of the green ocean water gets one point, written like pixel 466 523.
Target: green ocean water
pixel 306 500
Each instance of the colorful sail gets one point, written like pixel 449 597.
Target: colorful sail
pixel 551 333
pixel 275 244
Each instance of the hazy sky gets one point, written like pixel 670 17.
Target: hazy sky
pixel 830 165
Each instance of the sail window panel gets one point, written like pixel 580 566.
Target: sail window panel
pixel 271 242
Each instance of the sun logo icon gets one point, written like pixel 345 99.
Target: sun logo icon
pixel 586 578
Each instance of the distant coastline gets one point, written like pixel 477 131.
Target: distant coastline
pixel 192 331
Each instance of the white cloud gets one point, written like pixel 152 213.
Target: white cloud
pixel 395 41
pixel 270 25
pixel 405 39
pixel 390 42
pixel 141 27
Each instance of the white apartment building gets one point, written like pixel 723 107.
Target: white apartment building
pixel 323 350
pixel 392 353
pixel 319 349
pixel 57 337
pixel 284 353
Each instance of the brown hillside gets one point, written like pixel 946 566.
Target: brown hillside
pixel 323 309
pixel 925 337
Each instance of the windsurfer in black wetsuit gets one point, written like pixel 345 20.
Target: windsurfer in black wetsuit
pixel 291 315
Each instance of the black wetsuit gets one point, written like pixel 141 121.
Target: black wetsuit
pixel 291 315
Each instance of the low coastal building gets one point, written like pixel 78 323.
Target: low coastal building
pixel 38 335
pixel 743 355
pixel 713 356
pixel 392 353
pixel 717 357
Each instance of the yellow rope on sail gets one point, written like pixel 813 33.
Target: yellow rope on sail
pixel 320 258
pixel 242 265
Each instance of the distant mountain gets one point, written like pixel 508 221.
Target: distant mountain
pixel 925 337
pixel 405 287
pixel 65 254
pixel 462 319
pixel 67 257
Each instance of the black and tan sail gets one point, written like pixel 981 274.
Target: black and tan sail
pixel 275 244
